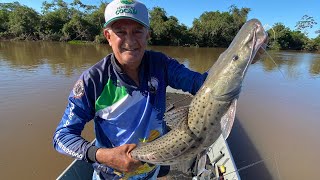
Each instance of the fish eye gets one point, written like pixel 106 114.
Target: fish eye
pixel 235 57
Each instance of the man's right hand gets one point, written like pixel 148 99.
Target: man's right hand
pixel 118 158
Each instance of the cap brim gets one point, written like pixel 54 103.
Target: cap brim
pixel 111 21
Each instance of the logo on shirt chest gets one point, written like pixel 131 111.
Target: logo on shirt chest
pixel 153 85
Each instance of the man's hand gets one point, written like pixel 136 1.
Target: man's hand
pixel 118 158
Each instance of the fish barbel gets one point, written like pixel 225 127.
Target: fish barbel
pixel 212 110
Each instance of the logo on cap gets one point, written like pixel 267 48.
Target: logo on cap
pixel 127 1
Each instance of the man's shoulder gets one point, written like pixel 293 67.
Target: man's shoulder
pixel 100 67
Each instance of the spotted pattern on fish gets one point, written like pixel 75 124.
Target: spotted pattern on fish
pixel 201 126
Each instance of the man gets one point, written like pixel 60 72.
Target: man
pixel 124 94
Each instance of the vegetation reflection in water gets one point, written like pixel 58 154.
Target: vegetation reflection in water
pixel 41 74
pixel 68 59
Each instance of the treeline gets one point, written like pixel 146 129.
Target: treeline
pixel 62 21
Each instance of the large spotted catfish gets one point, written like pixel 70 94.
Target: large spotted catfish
pixel 212 110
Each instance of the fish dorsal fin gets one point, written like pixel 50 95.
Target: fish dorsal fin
pixel 175 116
pixel 228 119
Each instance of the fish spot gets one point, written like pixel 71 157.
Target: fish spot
pixel 205 128
pixel 235 57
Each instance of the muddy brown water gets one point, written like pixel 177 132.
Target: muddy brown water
pixel 275 135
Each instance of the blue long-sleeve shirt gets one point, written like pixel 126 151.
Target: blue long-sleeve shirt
pixel 123 113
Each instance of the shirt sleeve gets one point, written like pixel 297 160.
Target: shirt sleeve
pixel 180 77
pixel 67 138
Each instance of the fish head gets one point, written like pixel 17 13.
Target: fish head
pixel 226 75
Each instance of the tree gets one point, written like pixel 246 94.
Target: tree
pixel 239 15
pixel 306 22
pixel 24 22
pixel 5 10
pixel 166 30
pixel 217 29
pixel 279 36
pixel 4 18
pixel 55 15
pixel 298 40
pixel 96 20
pixel 79 27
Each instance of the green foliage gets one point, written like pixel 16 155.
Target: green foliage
pixel 76 28
pixel 217 29
pixel 282 38
pixel 298 41
pixel 239 15
pixel 52 24
pixel 77 42
pixel 279 37
pixel 78 22
pixel 100 39
pixel 24 22
pixel 305 23
pixel 166 30
pixel 4 18
pixel 313 44
pixel 317 39
pixel 5 9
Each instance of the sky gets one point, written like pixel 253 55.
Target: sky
pixel 288 12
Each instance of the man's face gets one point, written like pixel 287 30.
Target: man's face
pixel 128 40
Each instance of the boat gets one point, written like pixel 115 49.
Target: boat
pixel 216 163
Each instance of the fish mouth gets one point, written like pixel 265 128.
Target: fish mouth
pixel 247 50
pixel 256 42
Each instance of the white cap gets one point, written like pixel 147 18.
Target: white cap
pixel 126 9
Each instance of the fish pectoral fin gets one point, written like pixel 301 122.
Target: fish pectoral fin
pixel 174 117
pixel 201 162
pixel 228 119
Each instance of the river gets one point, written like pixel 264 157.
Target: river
pixel 275 135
